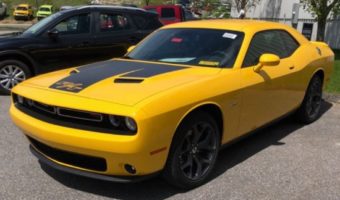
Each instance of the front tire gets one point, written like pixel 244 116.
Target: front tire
pixel 12 72
pixel 310 109
pixel 193 152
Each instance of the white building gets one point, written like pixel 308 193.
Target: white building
pixel 291 12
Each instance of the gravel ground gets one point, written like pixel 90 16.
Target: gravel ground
pixel 283 161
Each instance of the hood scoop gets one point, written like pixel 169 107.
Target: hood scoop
pixel 128 80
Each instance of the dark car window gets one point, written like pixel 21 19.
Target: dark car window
pixel 39 26
pixel 146 22
pixel 168 13
pixel 45 9
pixel 78 24
pixel 203 47
pixel 21 8
pixel 290 43
pixel 113 22
pixel 265 42
pixel 140 21
pixel 153 10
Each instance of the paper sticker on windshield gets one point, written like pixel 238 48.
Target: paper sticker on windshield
pixel 209 63
pixel 230 35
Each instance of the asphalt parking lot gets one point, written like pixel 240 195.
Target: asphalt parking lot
pixel 283 161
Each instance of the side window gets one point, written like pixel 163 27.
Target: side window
pixel 113 22
pixel 154 23
pixel 78 24
pixel 168 13
pixel 290 43
pixel 264 42
pixel 146 23
pixel 140 21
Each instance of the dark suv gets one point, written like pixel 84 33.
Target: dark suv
pixel 72 37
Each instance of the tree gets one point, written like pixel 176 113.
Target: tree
pixel 245 4
pixel 321 9
pixel 147 2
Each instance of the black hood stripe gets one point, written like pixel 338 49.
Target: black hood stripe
pixel 93 73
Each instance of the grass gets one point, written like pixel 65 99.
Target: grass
pixel 334 85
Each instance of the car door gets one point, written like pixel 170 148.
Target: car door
pixel 76 31
pixel 264 93
pixel 66 43
pixel 115 32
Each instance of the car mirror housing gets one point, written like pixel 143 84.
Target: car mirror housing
pixel 267 60
pixel 53 34
pixel 130 48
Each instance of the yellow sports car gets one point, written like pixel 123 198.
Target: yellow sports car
pixel 170 103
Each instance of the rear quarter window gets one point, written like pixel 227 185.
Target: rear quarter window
pixel 146 22
pixel 168 13
pixel 277 42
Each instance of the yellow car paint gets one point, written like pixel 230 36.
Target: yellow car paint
pixel 246 99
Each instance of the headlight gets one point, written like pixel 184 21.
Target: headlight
pixel 86 120
pixel 130 124
pixel 123 123
pixel 115 121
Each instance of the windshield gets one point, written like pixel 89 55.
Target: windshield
pixel 202 47
pixel 21 8
pixel 44 9
pixel 37 27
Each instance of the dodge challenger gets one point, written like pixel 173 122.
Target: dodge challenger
pixel 172 101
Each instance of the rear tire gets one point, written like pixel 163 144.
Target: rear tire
pixel 12 72
pixel 193 152
pixel 310 108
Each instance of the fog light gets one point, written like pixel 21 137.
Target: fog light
pixel 130 124
pixel 130 169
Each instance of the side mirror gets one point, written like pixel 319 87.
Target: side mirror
pixel 53 34
pixel 130 48
pixel 267 60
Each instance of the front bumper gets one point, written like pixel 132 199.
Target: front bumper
pixel 119 179
pixel 20 15
pixel 116 150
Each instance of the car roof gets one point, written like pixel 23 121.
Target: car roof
pixel 241 25
pixel 109 7
pixel 228 24
pixel 46 6
pixel 23 5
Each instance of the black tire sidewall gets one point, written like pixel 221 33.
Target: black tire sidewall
pixel 172 172
pixel 302 114
pixel 19 64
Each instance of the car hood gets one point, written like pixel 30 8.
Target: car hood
pixel 120 81
pixel 43 13
pixel 20 12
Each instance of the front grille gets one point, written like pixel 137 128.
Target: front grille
pixel 78 160
pixel 68 117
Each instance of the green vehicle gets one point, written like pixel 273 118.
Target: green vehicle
pixel 44 11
